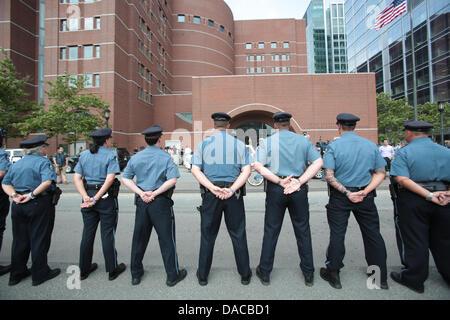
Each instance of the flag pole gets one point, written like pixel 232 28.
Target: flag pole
pixel 413 61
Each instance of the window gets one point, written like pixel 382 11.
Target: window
pixel 210 23
pixel 285 44
pixel 88 52
pixel 273 45
pixel 181 18
pixel 97 51
pixel 248 46
pixel 97 23
pixel 88 23
pixel 229 34
pixel 74 24
pixel 222 29
pixel 63 53
pixel 73 53
pixel 260 45
pixel 63 25
pixel 88 80
pixel 196 19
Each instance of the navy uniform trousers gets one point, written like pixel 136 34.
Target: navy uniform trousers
pixel 366 214
pixel 104 211
pixel 420 225
pixel 4 210
pixel 211 217
pixel 32 226
pixel 158 214
pixel 298 206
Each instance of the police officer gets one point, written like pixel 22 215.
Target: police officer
pixel 422 220
pixel 156 175
pixel 221 166
pixel 4 199
pixel 29 182
pixel 99 167
pixel 353 169
pixel 282 160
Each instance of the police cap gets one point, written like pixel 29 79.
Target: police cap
pixel 105 132
pixel 282 117
pixel 34 142
pixel 347 119
pixel 220 116
pixel 420 126
pixel 154 130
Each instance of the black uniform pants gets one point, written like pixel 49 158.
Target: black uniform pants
pixel 104 211
pixel 4 210
pixel 366 214
pixel 158 214
pixel 298 206
pixel 211 217
pixel 421 226
pixel 32 225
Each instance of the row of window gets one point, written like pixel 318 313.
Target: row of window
pixel 260 45
pixel 77 1
pixel 145 95
pixel 198 20
pixel 274 70
pixel 73 53
pixel 273 57
pixel 91 80
pixel 92 23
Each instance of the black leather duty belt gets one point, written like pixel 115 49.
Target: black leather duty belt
pixel 94 186
pixel 430 186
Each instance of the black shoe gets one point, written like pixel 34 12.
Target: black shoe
pixel 4 270
pixel 265 280
pixel 115 273
pixel 202 282
pixel 246 280
pixel 13 282
pixel 397 278
pixel 384 285
pixel 181 275
pixel 332 277
pixel 50 275
pixel 309 280
pixel 136 281
pixel 84 276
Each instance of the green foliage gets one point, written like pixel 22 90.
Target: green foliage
pixel 70 112
pixel 15 107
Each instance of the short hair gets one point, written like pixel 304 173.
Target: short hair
pixel 220 123
pixel 152 140
pixel 421 133
pixel 35 150
pixel 347 127
pixel 283 124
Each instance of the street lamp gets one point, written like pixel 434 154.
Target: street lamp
pixel 441 107
pixel 107 114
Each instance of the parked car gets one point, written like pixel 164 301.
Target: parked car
pixel 72 163
pixel 123 155
pixel 15 154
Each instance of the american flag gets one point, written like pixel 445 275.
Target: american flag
pixel 395 9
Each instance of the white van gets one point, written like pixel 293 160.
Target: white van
pixel 14 154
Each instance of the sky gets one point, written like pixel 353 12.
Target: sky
pixel 268 9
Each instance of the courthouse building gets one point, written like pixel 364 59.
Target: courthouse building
pixel 174 62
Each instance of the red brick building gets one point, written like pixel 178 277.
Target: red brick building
pixel 174 62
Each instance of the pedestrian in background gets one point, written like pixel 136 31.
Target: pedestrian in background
pixel 387 152
pixel 61 161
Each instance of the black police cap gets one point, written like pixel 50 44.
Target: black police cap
pixel 220 116
pixel 33 142
pixel 105 132
pixel 420 126
pixel 154 130
pixel 282 116
pixel 347 119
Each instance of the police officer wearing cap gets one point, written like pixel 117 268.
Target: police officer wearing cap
pixel 422 218
pixel 29 182
pixel 353 168
pixel 282 160
pixel 4 199
pixel 99 167
pixel 156 176
pixel 221 166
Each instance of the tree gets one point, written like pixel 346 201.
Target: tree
pixel 429 112
pixel 70 113
pixel 15 107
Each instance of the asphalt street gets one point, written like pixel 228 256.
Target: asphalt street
pixel 224 281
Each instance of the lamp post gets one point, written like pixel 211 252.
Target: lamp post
pixel 441 107
pixel 107 114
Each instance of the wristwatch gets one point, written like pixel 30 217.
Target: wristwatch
pixel 430 196
pixel 346 192
pixel 279 181
pixel 13 194
pixel 32 196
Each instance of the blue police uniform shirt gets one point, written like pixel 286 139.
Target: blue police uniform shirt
pixel 353 160
pixel 95 167
pixel 422 160
pixel 4 160
pixel 285 153
pixel 152 167
pixel 29 172
pixel 221 157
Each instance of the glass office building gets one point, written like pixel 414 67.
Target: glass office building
pixel 388 52
pixel 325 37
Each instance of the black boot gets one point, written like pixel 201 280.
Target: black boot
pixel 332 277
